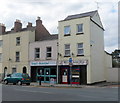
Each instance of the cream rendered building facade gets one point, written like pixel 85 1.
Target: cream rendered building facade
pixel 92 38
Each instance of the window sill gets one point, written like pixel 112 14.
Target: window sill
pixel 66 56
pixel 79 33
pixel 49 58
pixel 67 35
pixel 17 61
pixel 80 55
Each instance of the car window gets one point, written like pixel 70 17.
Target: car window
pixel 25 75
pixel 18 75
pixel 13 75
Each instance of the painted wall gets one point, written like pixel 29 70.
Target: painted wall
pixel 74 39
pixel 97 53
pixel 42 45
pixel 10 48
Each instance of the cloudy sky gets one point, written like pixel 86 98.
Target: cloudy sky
pixel 52 11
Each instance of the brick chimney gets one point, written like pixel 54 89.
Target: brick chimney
pixel 2 28
pixel 29 25
pixel 17 25
pixel 40 30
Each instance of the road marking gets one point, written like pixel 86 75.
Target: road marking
pixel 34 91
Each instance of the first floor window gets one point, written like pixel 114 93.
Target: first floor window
pixel 17 56
pixel 48 52
pixel 67 49
pixel 80 50
pixel 37 53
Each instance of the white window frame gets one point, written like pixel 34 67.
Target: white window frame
pixel 18 41
pixel 37 53
pixel 48 52
pixel 17 56
pixel 66 49
pixel 78 28
pixel 67 32
pixel 80 48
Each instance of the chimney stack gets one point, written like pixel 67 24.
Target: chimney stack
pixel 38 21
pixel 2 28
pixel 29 25
pixel 17 25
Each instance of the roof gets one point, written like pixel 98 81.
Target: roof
pixel 91 14
pixel 50 37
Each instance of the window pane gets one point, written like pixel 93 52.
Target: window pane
pixel 18 41
pixel 80 28
pixel 67 52
pixel 67 30
pixel 37 52
pixel 67 46
pixel 80 45
pixel 80 51
pixel 48 49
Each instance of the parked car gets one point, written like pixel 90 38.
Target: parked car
pixel 17 78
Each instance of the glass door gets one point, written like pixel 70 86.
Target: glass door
pixel 46 75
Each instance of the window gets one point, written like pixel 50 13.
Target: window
pixel 1 43
pixel 67 49
pixel 49 52
pixel 17 41
pixel 13 71
pixel 80 50
pixel 37 53
pixel 17 56
pixel 0 57
pixel 79 28
pixel 67 30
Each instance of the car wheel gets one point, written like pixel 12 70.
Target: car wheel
pixel 6 82
pixel 19 83
pixel 27 83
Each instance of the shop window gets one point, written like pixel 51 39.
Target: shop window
pixel 53 72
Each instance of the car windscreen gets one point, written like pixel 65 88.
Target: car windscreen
pixel 25 75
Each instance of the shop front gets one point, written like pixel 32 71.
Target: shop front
pixel 44 70
pixel 78 72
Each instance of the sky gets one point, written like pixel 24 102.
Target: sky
pixel 52 11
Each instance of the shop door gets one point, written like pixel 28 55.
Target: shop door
pixel 47 75
pixel 64 76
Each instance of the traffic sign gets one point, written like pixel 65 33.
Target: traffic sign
pixel 70 60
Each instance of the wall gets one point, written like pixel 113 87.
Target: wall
pixel 10 48
pixel 112 74
pixel 42 45
pixel 97 52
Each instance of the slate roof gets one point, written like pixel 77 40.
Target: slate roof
pixel 91 14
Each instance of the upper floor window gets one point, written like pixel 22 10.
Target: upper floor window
pixel 79 28
pixel 0 57
pixel 17 56
pixel 37 53
pixel 1 43
pixel 48 52
pixel 17 41
pixel 67 30
pixel 80 50
pixel 67 49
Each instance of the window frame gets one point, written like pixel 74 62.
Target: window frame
pixel 18 41
pixel 67 33
pixel 77 31
pixel 36 53
pixel 48 52
pixel 81 48
pixel 17 57
pixel 66 50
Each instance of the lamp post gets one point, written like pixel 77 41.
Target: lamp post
pixel 70 64
pixel 57 61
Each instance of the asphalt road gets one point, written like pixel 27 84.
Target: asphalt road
pixel 26 93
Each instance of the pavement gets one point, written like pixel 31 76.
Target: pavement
pixel 98 85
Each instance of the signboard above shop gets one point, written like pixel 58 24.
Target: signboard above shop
pixel 42 63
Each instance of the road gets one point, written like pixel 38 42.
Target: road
pixel 29 93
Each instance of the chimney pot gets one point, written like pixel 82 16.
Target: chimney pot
pixel 29 25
